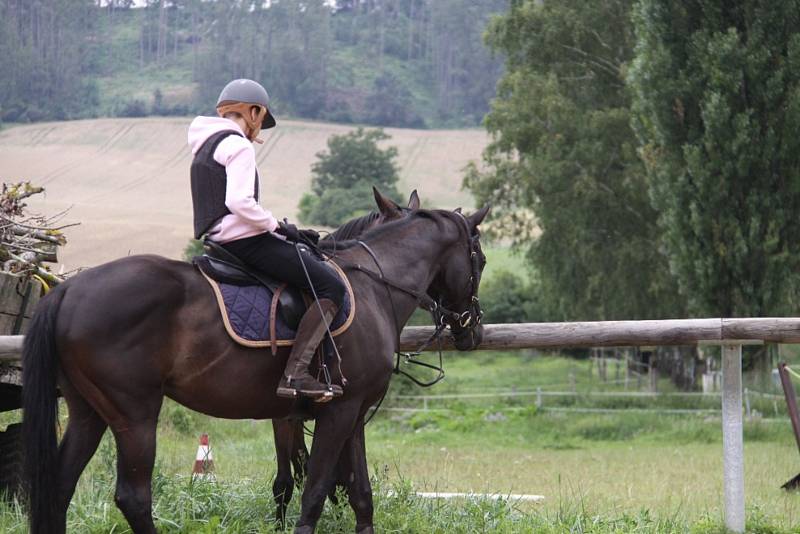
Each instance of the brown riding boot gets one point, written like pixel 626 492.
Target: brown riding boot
pixel 296 378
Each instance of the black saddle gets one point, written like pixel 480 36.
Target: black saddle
pixel 224 267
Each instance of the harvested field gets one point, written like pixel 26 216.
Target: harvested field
pixel 127 180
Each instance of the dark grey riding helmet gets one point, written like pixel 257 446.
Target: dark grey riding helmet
pixel 251 92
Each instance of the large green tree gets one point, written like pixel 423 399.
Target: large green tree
pixel 343 177
pixel 717 108
pixel 563 148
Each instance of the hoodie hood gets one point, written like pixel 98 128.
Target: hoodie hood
pixel 204 127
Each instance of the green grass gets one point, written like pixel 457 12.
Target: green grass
pixel 598 473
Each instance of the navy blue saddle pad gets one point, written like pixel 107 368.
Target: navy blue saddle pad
pixel 247 313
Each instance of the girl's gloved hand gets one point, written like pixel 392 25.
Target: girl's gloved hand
pixel 289 231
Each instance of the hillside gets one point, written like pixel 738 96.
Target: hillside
pixel 417 63
pixel 127 180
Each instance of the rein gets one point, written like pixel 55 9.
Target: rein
pixel 437 312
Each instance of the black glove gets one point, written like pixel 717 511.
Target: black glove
pixel 289 230
pixel 310 235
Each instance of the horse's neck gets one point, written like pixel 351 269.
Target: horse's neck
pixel 407 261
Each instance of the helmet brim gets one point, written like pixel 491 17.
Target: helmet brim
pixel 268 122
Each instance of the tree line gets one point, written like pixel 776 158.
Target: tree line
pixel 384 62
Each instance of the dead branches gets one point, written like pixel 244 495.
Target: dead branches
pixel 27 240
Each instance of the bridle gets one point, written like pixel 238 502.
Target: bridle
pixel 473 315
pixel 460 323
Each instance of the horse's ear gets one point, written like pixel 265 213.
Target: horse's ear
pixel 413 200
pixel 386 206
pixel 457 210
pixel 477 218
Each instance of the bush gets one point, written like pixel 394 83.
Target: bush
pixel 507 298
pixel 337 205
pixel 344 174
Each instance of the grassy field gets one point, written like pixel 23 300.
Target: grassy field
pixel 598 473
pixel 127 180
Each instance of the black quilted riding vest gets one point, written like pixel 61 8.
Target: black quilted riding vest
pixel 209 183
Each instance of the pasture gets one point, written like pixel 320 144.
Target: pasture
pixel 127 180
pixel 620 472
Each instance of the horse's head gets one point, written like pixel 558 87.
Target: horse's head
pixel 455 287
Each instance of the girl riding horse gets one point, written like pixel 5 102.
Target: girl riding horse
pixel 225 195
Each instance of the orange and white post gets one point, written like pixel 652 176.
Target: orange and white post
pixel 204 461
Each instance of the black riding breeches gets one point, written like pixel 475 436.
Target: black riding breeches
pixel 278 258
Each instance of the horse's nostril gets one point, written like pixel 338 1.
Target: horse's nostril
pixel 468 339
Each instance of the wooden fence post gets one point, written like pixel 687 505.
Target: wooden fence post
pixel 794 416
pixel 627 367
pixel 747 412
pixel 653 373
pixel 603 366
pixel 732 437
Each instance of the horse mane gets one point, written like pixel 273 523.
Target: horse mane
pixel 352 228
pixel 330 243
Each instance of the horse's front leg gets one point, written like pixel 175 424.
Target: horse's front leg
pixel 352 474
pixel 334 426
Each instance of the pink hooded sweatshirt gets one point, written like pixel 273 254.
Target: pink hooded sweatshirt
pixel 246 218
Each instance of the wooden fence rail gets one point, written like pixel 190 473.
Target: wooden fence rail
pixel 583 334
pixel 619 333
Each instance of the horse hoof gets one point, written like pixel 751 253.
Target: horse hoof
pixel 305 529
pixel 365 530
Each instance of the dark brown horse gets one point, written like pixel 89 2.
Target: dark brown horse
pixel 117 338
pixel 290 441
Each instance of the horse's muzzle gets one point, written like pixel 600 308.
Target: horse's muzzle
pixel 469 338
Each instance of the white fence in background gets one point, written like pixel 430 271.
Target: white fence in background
pixel 729 334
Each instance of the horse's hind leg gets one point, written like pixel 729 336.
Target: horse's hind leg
pixel 282 488
pixel 299 452
pixel 136 454
pixel 80 441
pixel 292 454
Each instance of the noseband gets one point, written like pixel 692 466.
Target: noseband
pixel 472 316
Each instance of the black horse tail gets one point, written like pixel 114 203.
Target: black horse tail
pixel 40 413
